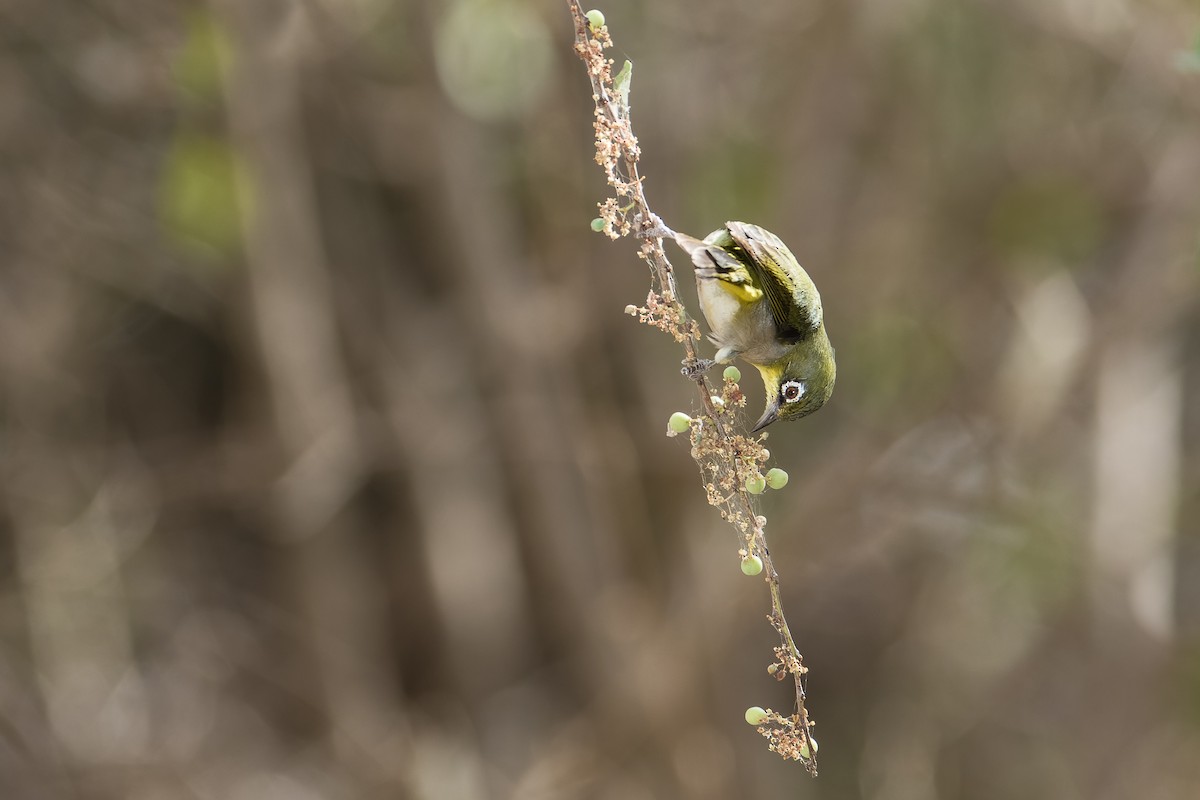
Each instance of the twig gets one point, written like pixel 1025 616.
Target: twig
pixel 727 460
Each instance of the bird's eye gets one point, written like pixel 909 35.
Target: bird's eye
pixel 791 391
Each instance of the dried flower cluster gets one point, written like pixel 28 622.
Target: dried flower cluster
pixel 785 737
pixel 731 464
pixel 728 462
pixel 668 316
pixel 616 146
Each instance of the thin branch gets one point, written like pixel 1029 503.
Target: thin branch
pixel 727 460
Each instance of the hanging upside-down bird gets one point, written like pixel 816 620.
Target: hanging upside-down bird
pixel 762 307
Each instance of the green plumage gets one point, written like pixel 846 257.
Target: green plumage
pixel 762 306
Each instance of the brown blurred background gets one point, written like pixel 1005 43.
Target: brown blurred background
pixel 331 467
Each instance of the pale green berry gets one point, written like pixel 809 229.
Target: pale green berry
pixel 757 715
pixel 776 478
pixel 752 565
pixel 595 18
pixel 598 224
pixel 804 751
pixel 679 422
pixel 732 373
pixel 756 484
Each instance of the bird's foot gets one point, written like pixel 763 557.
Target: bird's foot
pixel 694 368
pixel 652 228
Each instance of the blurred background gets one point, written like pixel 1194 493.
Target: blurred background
pixel 331 467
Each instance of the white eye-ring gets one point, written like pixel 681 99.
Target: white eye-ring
pixel 791 391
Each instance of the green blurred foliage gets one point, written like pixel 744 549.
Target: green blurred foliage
pixel 737 172
pixel 202 63
pixel 201 191
pixel 895 365
pixel 1052 218
pixel 1189 60
pixel 201 199
pixel 493 57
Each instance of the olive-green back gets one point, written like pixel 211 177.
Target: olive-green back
pixel 793 298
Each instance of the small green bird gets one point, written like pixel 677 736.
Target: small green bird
pixel 762 306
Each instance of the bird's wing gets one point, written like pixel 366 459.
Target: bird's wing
pixel 794 300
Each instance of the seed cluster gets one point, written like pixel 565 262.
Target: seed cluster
pixel 616 146
pixel 785 736
pixel 666 314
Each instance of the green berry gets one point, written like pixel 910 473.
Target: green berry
pixel 756 484
pixel 679 422
pixel 752 565
pixel 776 478
pixel 595 18
pixel 804 751
pixel 732 373
pixel 598 224
pixel 756 715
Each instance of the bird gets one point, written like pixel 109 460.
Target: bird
pixel 761 306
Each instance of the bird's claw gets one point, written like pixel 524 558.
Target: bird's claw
pixel 694 368
pixel 652 228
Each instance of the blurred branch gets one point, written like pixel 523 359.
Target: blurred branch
pixel 298 338
pixel 729 462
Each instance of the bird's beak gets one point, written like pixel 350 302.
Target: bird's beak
pixel 769 416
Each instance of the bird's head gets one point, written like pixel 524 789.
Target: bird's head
pixel 799 383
